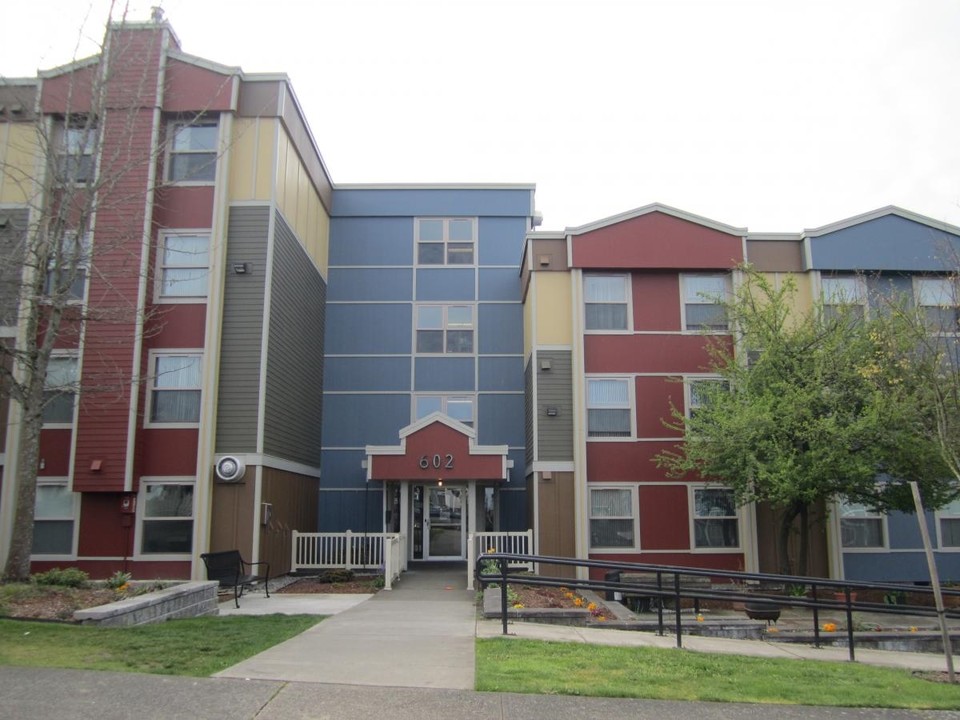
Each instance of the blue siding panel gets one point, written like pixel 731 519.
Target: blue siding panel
pixel 369 329
pixel 370 284
pixel 342 469
pixel 500 284
pixel 366 373
pixel 444 374
pixel 500 421
pixel 360 420
pixel 500 328
pixel 446 284
pixel 899 567
pixel 371 241
pixel 905 532
pixel 351 510
pixel 501 240
pixel 888 287
pixel 501 373
pixel 887 243
pixel 433 201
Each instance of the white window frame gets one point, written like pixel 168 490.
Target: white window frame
pixel 634 491
pixel 700 300
pixel 631 407
pixel 158 296
pixel 444 399
pixel 858 297
pixel 867 515
pixel 69 128
pixel 445 323
pixel 75 504
pixel 83 266
pixel 737 515
pixel 446 241
pixel 172 128
pixel 950 514
pixel 151 387
pixel 627 303
pixel 947 283
pixel 55 356
pixel 689 381
pixel 142 517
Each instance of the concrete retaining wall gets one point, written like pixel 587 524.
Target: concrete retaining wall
pixel 190 599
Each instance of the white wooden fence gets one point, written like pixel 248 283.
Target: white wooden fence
pixel 518 543
pixel 382 552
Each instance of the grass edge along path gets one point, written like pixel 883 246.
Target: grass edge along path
pixel 196 647
pixel 556 668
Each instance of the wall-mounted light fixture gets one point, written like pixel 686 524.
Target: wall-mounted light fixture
pixel 552 411
pixel 240 268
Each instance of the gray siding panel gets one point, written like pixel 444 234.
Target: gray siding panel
pixel 554 389
pixel 11 269
pixel 294 387
pixel 528 409
pixel 239 397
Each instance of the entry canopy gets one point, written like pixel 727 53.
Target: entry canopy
pixel 437 448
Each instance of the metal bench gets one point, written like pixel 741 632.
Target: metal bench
pixel 230 570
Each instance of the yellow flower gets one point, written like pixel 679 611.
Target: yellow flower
pixel 699 617
pixel 601 618
pixel 913 628
pixel 591 607
pixel 568 595
pixel 518 606
pixel 578 602
pixel 773 629
pixel 829 627
pixel 490 551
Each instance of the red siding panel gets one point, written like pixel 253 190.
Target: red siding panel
pixel 55 453
pixel 656 301
pixel 177 326
pixel 188 207
pixel 611 461
pixel 654 395
pixel 191 88
pixel 101 530
pixel 657 240
pixel 649 353
pixel 707 561
pixel 664 518
pixel 437 441
pixel 168 452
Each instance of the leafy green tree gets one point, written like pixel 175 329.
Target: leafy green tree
pixel 813 406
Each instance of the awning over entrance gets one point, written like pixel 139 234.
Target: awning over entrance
pixel 437 448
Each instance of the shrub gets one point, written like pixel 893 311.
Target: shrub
pixel 118 581
pixel 68 577
pixel 335 576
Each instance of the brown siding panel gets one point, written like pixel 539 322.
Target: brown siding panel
pixel 294 388
pixel 775 256
pixel 554 390
pixel 557 520
pixel 239 396
pixel 294 500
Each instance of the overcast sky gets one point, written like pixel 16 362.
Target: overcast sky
pixel 768 114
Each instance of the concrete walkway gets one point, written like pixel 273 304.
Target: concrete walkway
pixel 420 634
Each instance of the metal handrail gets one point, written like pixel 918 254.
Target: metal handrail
pixel 669 585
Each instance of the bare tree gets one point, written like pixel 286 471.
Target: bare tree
pixel 88 163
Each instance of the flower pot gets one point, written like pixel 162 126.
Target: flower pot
pixel 762 610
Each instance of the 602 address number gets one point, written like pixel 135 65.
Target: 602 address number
pixel 436 462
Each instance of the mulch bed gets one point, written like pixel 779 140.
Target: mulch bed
pixel 56 603
pixel 313 585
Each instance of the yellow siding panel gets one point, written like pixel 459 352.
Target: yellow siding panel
pixel 243 159
pixel 18 153
pixel 554 322
pixel 528 317
pixel 803 299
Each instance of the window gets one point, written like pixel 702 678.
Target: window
pixel 445 329
pixel 715 523
pixel 446 241
pixel 53 519
pixel 74 153
pixel 937 299
pixel 843 294
pixel 948 519
pixel 60 390
pixel 700 391
pixel 703 297
pixel 460 408
pixel 608 408
pixel 861 526
pixel 605 301
pixel 612 522
pixel 67 268
pixel 193 152
pixel 184 261
pixel 167 518
pixel 175 389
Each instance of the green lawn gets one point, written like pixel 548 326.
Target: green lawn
pixel 197 646
pixel 532 666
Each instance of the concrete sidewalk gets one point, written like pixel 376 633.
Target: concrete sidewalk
pixel 91 695
pixel 420 634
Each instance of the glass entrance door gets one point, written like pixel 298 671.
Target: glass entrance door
pixel 443 528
